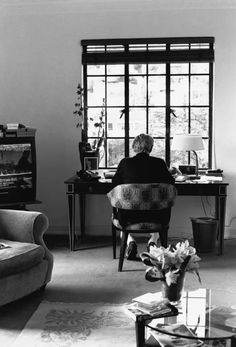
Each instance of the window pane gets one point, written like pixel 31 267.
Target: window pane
pixel 199 90
pixel 115 124
pixel 199 120
pixel 94 115
pixel 156 90
pixel 115 91
pixel 156 122
pixel 96 91
pixel 137 91
pixel 203 155
pixel 156 69
pixel 115 69
pixel 137 121
pixel 131 152
pixel 179 46
pixel 95 69
pixel 136 69
pixel 179 90
pixel 115 152
pixel 101 158
pixel 179 68
pixel 199 67
pixel 179 124
pixel 178 158
pixel 158 148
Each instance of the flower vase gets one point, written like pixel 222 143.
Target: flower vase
pixel 174 291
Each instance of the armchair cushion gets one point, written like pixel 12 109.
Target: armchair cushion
pixel 20 256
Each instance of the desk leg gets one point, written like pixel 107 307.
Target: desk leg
pixel 220 215
pixel 233 341
pixel 140 332
pixel 71 208
pixel 82 214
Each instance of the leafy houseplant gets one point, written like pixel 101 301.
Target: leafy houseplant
pixel 87 149
pixel 79 109
pixel 99 125
pixel 170 264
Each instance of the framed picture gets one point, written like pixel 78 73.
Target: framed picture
pixel 90 163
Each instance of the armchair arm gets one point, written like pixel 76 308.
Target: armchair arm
pixel 22 226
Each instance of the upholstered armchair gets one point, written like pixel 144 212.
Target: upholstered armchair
pixel 140 208
pixel 26 264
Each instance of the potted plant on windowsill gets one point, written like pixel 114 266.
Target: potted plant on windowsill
pixel 87 149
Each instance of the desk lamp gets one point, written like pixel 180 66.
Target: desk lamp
pixel 188 142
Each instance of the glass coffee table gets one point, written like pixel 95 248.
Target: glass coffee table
pixel 198 323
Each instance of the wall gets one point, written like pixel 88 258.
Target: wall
pixel 40 66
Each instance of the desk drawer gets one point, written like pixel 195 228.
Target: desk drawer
pixel 199 189
pixel 89 188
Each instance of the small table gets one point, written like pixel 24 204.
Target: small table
pixel 198 314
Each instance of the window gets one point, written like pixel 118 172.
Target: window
pixel 160 86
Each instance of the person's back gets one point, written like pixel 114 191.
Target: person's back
pixel 142 168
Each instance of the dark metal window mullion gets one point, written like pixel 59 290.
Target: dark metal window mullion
pixel 189 107
pixel 85 120
pixel 126 115
pixel 210 131
pixel 147 101
pixel 167 140
pixel 105 110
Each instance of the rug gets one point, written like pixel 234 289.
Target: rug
pixel 78 324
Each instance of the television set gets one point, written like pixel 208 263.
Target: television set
pixel 17 169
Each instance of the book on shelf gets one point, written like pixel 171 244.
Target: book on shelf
pixel 166 340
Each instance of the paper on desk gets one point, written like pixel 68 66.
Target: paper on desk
pixel 211 178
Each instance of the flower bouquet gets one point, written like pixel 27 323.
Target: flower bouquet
pixel 169 265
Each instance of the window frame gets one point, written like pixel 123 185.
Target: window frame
pixel 146 51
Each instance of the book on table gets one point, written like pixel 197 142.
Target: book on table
pixel 166 340
pixel 150 300
pixel 151 304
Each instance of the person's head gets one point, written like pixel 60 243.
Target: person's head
pixel 143 143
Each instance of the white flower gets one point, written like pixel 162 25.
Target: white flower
pixel 171 277
pixel 169 261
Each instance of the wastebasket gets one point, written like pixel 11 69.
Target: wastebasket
pixel 204 233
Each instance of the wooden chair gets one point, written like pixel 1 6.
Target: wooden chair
pixel 140 208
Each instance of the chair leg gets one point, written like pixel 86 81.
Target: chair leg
pixel 122 250
pixel 164 235
pixel 114 241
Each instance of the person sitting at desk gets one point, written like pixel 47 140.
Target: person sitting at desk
pixel 142 168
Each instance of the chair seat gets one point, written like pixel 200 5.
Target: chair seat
pixel 139 227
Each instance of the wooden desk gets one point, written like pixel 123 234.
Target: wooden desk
pixel 74 186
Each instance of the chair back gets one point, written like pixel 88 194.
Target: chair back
pixel 143 196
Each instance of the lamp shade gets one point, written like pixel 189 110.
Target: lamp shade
pixel 187 142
